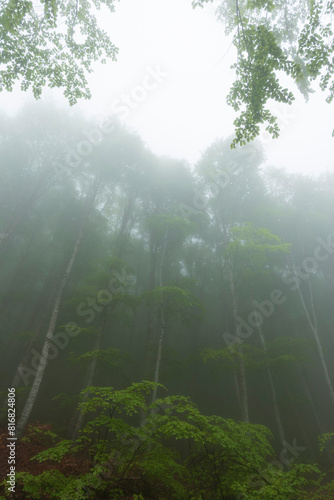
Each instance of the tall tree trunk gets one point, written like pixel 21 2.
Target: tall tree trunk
pixel 309 397
pixel 312 320
pixel 48 339
pixel 162 322
pixel 278 419
pixel 148 361
pixel 299 422
pixel 240 362
pixel 149 338
pixel 237 388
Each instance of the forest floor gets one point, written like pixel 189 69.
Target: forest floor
pixel 70 465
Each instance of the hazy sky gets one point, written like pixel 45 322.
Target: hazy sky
pixel 170 84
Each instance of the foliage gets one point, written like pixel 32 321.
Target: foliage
pixel 281 485
pixel 56 453
pixel 255 244
pixel 280 354
pixel 53 484
pixel 39 433
pixel 179 303
pixel 52 43
pixel 324 440
pixel 226 458
pixel 110 357
pixel 295 38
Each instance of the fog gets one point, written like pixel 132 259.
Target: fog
pixel 166 301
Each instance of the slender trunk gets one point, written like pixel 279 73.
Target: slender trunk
pixel 149 338
pixel 309 397
pixel 278 419
pixel 37 329
pixel 194 381
pixel 126 224
pixel 162 323
pixel 307 392
pixel 240 362
pixel 314 327
pixel 148 362
pixel 299 422
pixel 237 389
pixel 132 335
pixel 48 339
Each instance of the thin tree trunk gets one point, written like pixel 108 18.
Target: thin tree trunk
pixel 148 362
pixel 162 323
pixel 309 397
pixel 48 339
pixel 272 388
pixel 311 402
pixel 236 385
pixel 37 329
pixel 149 338
pixel 240 362
pixel 314 327
pixel 299 422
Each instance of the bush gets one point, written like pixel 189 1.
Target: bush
pixel 225 459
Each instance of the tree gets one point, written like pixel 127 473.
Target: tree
pixel 171 301
pixel 295 38
pixel 54 316
pixel 53 44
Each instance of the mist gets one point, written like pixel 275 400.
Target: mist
pixel 166 299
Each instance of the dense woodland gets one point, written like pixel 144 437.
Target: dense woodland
pixel 196 302
pixel 166 329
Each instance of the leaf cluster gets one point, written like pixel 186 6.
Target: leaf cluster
pixel 51 43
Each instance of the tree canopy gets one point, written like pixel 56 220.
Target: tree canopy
pixel 54 44
pixel 51 43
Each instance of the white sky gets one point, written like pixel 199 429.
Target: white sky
pixel 187 110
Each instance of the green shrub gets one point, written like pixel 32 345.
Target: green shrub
pixel 226 459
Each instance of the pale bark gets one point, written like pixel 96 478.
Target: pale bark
pixel 162 323
pixel 314 328
pixel 278 419
pixel 311 402
pixel 299 421
pixel 149 338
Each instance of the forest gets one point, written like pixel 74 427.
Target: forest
pixel 166 329
pixel 166 326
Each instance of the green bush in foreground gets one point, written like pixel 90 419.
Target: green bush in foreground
pixel 177 453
